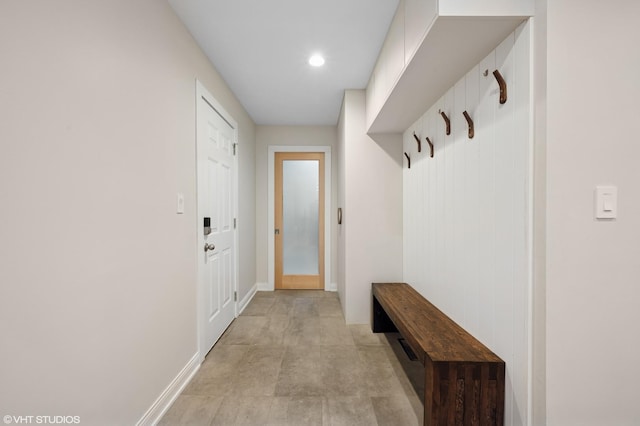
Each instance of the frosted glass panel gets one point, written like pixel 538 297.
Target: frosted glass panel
pixel 300 197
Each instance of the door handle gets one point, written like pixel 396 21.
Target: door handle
pixel 208 247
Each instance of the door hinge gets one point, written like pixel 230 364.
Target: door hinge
pixel 235 223
pixel 234 148
pixel 235 296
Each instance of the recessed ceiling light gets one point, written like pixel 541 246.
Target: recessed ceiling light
pixel 316 61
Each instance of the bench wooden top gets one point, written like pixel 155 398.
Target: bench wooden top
pixel 429 332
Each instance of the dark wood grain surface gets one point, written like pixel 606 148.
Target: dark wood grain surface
pixel 464 380
pixel 429 330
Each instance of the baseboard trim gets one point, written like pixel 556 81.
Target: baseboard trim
pixel 267 287
pixel 164 401
pixel 264 287
pixel 247 298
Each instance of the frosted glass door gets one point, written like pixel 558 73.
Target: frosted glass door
pixel 300 218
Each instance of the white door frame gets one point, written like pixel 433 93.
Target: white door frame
pixel 271 214
pixel 202 92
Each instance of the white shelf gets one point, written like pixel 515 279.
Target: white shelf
pixel 452 45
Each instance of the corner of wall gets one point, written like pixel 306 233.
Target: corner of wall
pixel 538 296
pixel 341 237
pixel 171 393
pixel 372 182
pixel 247 298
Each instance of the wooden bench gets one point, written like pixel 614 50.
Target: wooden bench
pixel 464 381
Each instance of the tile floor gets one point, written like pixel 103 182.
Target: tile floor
pixel 290 359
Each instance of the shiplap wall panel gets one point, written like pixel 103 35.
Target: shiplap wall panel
pixel 457 237
pixel 432 207
pixel 407 259
pixel 506 235
pixel 411 253
pixel 467 211
pixel 472 199
pixel 522 195
pixel 448 291
pixel 440 279
pixel 486 220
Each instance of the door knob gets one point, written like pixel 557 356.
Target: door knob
pixel 208 247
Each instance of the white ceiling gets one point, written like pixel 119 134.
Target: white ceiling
pixel 261 48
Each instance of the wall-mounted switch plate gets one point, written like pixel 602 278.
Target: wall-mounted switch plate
pixel 606 202
pixel 180 204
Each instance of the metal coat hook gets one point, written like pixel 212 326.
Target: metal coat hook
pixel 503 86
pixel 408 159
pixel 470 123
pixel 430 146
pixel 418 140
pixel 446 121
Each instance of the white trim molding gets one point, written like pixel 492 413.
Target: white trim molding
pixel 177 385
pixel 271 203
pixel 247 298
pixel 264 287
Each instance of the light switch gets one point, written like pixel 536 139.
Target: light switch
pixel 606 202
pixel 180 204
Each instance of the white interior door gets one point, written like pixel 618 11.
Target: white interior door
pixel 216 136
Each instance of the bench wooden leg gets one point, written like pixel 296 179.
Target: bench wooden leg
pixel 463 393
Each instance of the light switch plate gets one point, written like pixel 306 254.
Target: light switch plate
pixel 606 202
pixel 180 204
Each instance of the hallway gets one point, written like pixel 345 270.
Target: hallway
pixel 289 359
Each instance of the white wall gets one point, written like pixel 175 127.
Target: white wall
pixel 593 274
pixel 98 272
pixel 341 170
pixel 371 201
pixel 539 154
pixel 286 136
pixel 467 211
